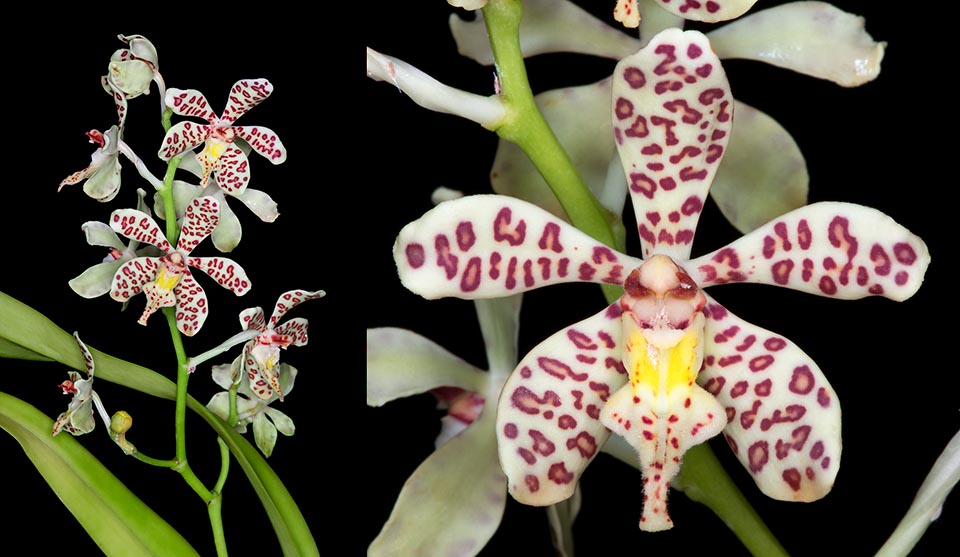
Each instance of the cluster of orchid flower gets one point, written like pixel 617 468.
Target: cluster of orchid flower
pixel 159 262
pixel 664 366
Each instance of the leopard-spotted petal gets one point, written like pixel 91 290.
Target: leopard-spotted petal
pixel 264 141
pixel 784 418
pixel 487 246
pixel 672 113
pixel 548 418
pixel 289 300
pixel 199 219
pixel 189 102
pixel 191 303
pixel 139 226
pixel 709 11
pixel 182 137
pixel 227 272
pixel 244 95
pixel 834 249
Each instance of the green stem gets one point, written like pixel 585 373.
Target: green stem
pixel 216 524
pixel 153 461
pixel 224 466
pixel 702 475
pixel 169 209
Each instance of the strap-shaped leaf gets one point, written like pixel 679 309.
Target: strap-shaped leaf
pixel 548 418
pixel 783 416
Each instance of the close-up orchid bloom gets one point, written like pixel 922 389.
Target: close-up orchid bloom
pixel 633 367
pixel 79 417
pixel 222 155
pixel 167 281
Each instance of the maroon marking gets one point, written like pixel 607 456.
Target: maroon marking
pixel 816 451
pixel 758 454
pixel 709 272
pixel 533 484
pixel 825 463
pixel 623 109
pixel 798 438
pixel 527 455
pixel 665 238
pixel 415 255
pixel 577 399
pixel 739 389
pixel 687 174
pixel 717 135
pixel 502 231
pixel 527 402
pixel 829 264
pixel 668 183
pixel 567 421
pixel 709 359
pixel 763 388
pixel 634 77
pixel 747 343
pixel 510 431
pixel 603 335
pixel 723 116
pixel 707 97
pixel 667 85
pixel 581 340
pixel 792 413
pixel 670 138
pixel 646 234
pixel 559 369
pixel 528 279
pixel 769 247
pixel 612 362
pixel 839 233
pixel 727 256
pixel 802 380
pixel 863 277
pixel 593 411
pixel 511 280
pixel 548 415
pixel 732 443
pixel 774 344
pixel 550 239
pixel 601 253
pixel 589 360
pixel 781 271
pixel 465 235
pixel 638 128
pixel 714 152
pixel 562 267
pixel 544 268
pixel 761 363
pixel 584 443
pixel 684 236
pixel 602 389
pixel 558 473
pixel 876 290
pixel 686 403
pixel 648 435
pixel 690 116
pixel 880 259
pixel 713 7
pixel 674 216
pixel 810 473
pixel 728 360
pixel 617 135
pixel 904 253
pixel 652 149
pixel 470 280
pixel 525 372
pixel 807 269
pixel 646 419
pixel 731 413
pixel 748 417
pixel 704 71
pixel 669 58
pixel 792 477
pixel 641 183
pixel 827 286
pixel 445 259
pixel 494 265
pixel 691 206
pixel 694 51
pixel 823 398
pixel 715 385
pixel 541 444
pixel 653 217
pixel 780 229
pixel 586 272
pixel 901 278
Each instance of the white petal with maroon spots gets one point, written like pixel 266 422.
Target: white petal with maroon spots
pixel 182 137
pixel 291 299
pixel 548 425
pixel 232 170
pixel 199 219
pixel 784 418
pixel 129 279
pixel 253 319
pixel 832 249
pixel 244 95
pixel 191 305
pixel 189 102
pixel 140 227
pixel 710 11
pixel 296 328
pixel 264 141
pixel 487 246
pixel 672 113
pixel 226 272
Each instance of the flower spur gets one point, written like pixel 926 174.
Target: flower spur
pixel 672 114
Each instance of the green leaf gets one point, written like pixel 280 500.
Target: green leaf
pixel 11 350
pixel 26 327
pixel 119 522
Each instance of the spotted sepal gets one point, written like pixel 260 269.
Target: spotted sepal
pixel 710 11
pixel 783 416
pixel 182 137
pixel 244 95
pixel 253 319
pixel 191 305
pixel 264 141
pixel 296 329
pixel 832 249
pixel 264 381
pixel 291 299
pixel 189 102
pixel 231 168
pixel 672 113
pixel 199 219
pixel 129 279
pixel 485 246
pixel 548 416
pixel 139 226
pixel 227 272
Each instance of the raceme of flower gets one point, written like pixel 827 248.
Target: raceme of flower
pixel 261 356
pixel 167 281
pixel 221 155
pixel 267 421
pixel 672 114
pixel 79 419
pixel 453 502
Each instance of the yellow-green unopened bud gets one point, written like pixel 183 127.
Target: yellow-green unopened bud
pixel 121 422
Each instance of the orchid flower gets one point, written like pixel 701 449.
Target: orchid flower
pixel 221 156
pixel 632 368
pixel 103 174
pixel 252 409
pixel 79 419
pixel 130 72
pixel 167 281
pixel 453 502
pixel 764 173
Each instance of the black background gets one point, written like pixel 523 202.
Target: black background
pixel 363 160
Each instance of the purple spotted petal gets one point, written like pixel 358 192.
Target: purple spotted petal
pixel 710 11
pixel 264 141
pixel 672 113
pixel 289 300
pixel 226 272
pixel 263 382
pixel 253 319
pixel 232 171
pixel 131 276
pixel 139 226
pixel 244 95
pixel 182 137
pixel 119 100
pixel 189 102
pixel 191 305
pixel 78 418
pixel 295 328
pixel 833 249
pixel 548 426
pixel 784 418
pixel 814 38
pixel 486 246
pixel 85 352
pixel 199 219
